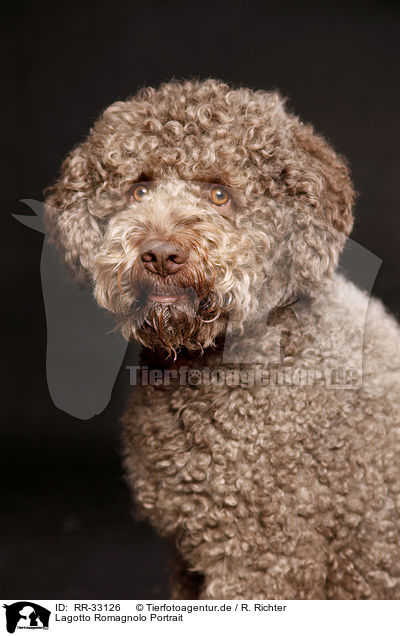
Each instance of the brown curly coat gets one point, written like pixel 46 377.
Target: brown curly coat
pixel 267 489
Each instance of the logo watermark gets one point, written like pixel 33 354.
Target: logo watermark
pixel 26 615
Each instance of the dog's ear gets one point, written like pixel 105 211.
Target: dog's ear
pixel 69 223
pixel 321 195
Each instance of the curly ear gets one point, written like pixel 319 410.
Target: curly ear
pixel 69 223
pixel 321 192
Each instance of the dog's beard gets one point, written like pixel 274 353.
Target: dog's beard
pixel 189 310
pixel 192 322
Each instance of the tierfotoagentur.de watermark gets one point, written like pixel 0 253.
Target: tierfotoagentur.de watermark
pixel 142 375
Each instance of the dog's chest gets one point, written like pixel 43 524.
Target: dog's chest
pixel 230 446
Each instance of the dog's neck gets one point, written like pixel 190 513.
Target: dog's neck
pixel 159 359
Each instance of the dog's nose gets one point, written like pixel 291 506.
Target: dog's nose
pixel 163 257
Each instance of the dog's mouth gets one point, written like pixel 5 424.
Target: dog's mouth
pixel 172 302
pixel 171 316
pixel 167 299
pixel 166 296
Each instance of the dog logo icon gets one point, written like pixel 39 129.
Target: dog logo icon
pixel 26 615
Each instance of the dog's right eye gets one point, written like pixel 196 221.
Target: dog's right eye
pixel 138 192
pixel 219 196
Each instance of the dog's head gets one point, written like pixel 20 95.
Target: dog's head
pixel 197 207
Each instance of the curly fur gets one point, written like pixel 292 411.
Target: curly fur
pixel 270 490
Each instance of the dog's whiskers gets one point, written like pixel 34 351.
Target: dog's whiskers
pixel 119 278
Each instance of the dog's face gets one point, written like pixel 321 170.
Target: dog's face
pixel 194 208
pixel 182 259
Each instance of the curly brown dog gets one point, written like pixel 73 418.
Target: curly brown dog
pixel 200 214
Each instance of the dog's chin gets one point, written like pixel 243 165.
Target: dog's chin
pixel 170 322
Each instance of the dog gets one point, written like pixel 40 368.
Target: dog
pixel 209 221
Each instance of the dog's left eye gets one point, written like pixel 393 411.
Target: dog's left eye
pixel 138 192
pixel 219 196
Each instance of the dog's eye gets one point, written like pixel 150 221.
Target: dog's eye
pixel 138 192
pixel 219 196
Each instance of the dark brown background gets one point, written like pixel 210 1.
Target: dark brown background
pixel 66 527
